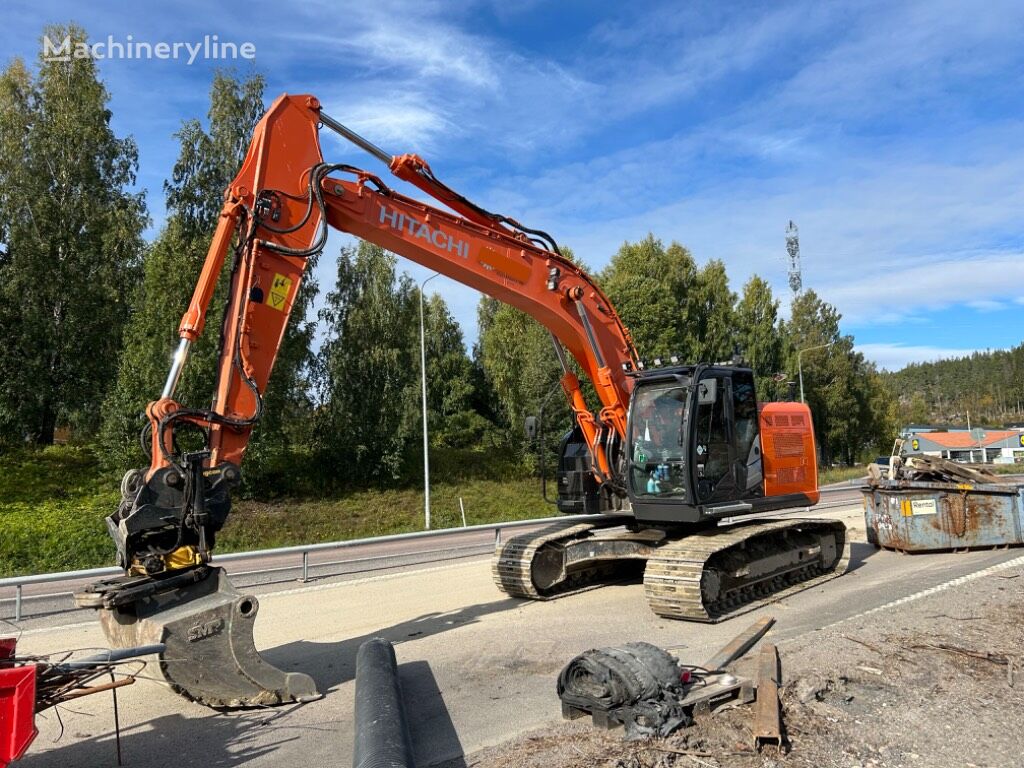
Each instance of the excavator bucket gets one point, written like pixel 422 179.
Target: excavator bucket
pixel 207 628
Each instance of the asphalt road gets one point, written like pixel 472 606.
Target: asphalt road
pixel 477 667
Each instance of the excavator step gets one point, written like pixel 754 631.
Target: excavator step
pixel 207 628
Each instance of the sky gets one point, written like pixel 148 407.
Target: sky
pixel 891 133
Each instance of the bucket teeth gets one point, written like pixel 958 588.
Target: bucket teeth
pixel 207 627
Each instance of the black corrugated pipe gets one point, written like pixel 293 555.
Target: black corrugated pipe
pixel 382 734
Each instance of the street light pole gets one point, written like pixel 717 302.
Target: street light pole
pixel 423 376
pixel 799 365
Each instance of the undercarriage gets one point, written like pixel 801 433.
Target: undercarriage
pixel 705 575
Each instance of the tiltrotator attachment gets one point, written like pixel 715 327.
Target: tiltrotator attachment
pixel 207 628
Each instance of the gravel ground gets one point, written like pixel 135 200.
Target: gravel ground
pixel 935 682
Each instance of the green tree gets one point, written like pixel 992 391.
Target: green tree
pixel 669 305
pixel 916 409
pixel 711 314
pixel 842 389
pixel 518 359
pixel 367 371
pixel 519 373
pixel 988 385
pixel 757 334
pixel 71 242
pixel 450 381
pixel 812 325
pixel 651 288
pixel 208 160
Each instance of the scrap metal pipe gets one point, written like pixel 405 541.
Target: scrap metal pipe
pixel 739 645
pixel 382 734
pixel 767 717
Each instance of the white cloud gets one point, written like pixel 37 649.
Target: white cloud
pixel 894 223
pixel 424 47
pixel 903 51
pixel 930 287
pixel 397 124
pixel 893 357
pixel 428 49
pixel 986 305
pixel 669 55
pixel 710 125
pixel 884 231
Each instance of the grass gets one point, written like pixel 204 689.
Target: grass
pixel 52 505
pixel 53 501
pixel 840 474
pixel 257 525
pixel 1003 469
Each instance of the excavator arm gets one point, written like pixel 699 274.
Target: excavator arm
pixel 276 215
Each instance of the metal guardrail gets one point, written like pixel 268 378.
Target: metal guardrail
pixel 19 582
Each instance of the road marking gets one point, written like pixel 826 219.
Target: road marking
pixel 1014 563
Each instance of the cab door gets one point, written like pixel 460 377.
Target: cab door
pixel 726 448
pixel 713 450
pixel 746 428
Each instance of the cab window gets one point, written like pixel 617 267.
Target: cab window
pixel 657 441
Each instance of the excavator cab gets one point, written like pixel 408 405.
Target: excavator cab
pixel 698 447
pixel 697 441
pixel 692 442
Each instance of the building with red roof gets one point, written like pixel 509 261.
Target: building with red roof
pixel 977 446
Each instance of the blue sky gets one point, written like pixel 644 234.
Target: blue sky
pixel 890 132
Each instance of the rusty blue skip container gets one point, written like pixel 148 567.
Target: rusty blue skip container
pixel 913 516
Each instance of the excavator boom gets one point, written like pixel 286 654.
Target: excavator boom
pixel 276 214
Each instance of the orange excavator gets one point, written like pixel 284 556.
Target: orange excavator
pixel 671 452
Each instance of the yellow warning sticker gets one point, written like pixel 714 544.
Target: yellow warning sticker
pixel 279 289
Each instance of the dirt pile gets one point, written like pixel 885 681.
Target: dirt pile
pixel 936 682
